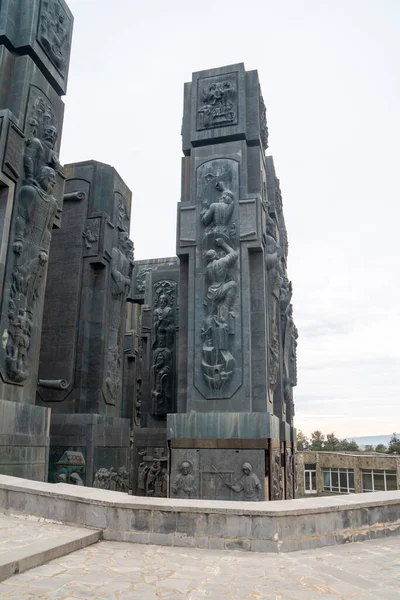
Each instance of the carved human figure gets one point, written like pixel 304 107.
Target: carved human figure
pixel 121 273
pixel 276 475
pixel 35 214
pixel 248 483
pixel 163 323
pixel 221 289
pixel 218 214
pixel 217 107
pixel 162 374
pixel 183 485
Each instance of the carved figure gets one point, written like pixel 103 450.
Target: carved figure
pixel 290 335
pixel 183 485
pixel 89 237
pixel 36 210
pixel 141 279
pixel 162 376
pixel 218 214
pixel 248 483
pixel 163 323
pixel 217 106
pixel 221 288
pixel 276 475
pixel 55 32
pixel 121 273
pixel 122 480
pixel 263 124
pixel 109 479
pixel 289 474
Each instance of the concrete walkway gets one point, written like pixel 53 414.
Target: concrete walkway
pixel 122 571
pixel 27 541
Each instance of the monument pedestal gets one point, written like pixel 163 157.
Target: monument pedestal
pixel 24 440
pixel 223 456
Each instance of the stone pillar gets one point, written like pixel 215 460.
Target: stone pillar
pixel 156 285
pixel 82 352
pixel 230 357
pixel 35 41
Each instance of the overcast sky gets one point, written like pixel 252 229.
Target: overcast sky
pixel 329 72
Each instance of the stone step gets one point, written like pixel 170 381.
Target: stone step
pixel 19 560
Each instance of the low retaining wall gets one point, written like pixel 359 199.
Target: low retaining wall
pixel 282 526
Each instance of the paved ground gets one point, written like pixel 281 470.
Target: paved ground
pixel 19 531
pixel 120 571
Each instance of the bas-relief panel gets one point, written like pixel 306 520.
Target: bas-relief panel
pixel 217 101
pixel 54 33
pixel 217 280
pixel 218 474
pixel 152 475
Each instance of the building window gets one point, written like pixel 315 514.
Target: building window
pixel 379 481
pixel 310 479
pixel 340 481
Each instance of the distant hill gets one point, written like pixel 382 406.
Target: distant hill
pixel 372 440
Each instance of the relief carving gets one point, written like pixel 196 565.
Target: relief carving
pixel 109 479
pixel 217 102
pixel 152 473
pixel 220 267
pixel 164 316
pixel 90 237
pixel 122 213
pixel 290 335
pixel 71 468
pixel 263 124
pixel 273 265
pixel 289 474
pixel 36 209
pixel 55 33
pixel 183 484
pixel 121 274
pixel 248 483
pixel 276 475
pixel 141 279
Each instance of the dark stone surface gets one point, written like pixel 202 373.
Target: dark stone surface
pixel 237 360
pixel 85 308
pixel 103 440
pixel 35 39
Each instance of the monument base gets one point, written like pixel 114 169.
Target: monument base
pixel 103 441
pixel 24 440
pixel 230 456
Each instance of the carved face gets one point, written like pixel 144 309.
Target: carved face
pixel 163 302
pixel 185 468
pixel 246 468
pixel 211 255
pixel 50 135
pixel 47 179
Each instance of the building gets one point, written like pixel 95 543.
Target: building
pixel 326 473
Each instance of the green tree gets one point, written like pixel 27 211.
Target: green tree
pixel 369 448
pixel 394 445
pixel 317 440
pixel 347 446
pixel 302 442
pixel 381 448
pixel 332 443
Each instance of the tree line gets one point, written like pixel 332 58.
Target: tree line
pixel 318 441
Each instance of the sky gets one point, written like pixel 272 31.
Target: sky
pixel 329 71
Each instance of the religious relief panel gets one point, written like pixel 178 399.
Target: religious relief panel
pixel 263 124
pixel 109 479
pixel 217 200
pixel 121 275
pixel 55 32
pixel 36 209
pixel 164 331
pixel 152 473
pixel 141 279
pixel 217 102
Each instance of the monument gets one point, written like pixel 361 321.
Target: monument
pixel 232 437
pixel 35 41
pixel 83 338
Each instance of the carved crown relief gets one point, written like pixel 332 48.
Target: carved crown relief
pixel 54 33
pixel 217 104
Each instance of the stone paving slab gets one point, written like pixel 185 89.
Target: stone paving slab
pixel 122 571
pixel 27 541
